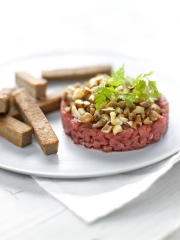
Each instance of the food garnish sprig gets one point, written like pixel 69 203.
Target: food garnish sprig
pixel 120 87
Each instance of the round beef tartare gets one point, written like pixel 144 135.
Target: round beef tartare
pixel 130 115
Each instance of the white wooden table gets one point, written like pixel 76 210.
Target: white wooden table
pixel 148 29
pixel 28 212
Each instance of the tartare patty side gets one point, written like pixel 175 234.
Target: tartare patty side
pixel 129 139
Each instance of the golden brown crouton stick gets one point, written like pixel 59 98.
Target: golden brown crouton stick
pixel 14 112
pixel 49 104
pixel 15 131
pixel 4 103
pixel 34 117
pixel 35 87
pixel 6 99
pixel 76 73
pixel 52 101
pixel 8 92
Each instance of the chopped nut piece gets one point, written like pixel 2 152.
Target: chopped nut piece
pixel 97 116
pixel 88 109
pixel 132 116
pixel 67 109
pixel 86 98
pixel 92 105
pixel 69 98
pixel 126 112
pixel 131 106
pixel 87 91
pixel 95 81
pixel 87 118
pixel 70 89
pixel 139 109
pixel 123 119
pixel 91 98
pixel 132 124
pixel 114 104
pixel 118 110
pixel 79 103
pixel 86 103
pixel 121 115
pixel 78 94
pixel 153 115
pixel 122 104
pixel 138 120
pixel 117 129
pixel 92 111
pixel 114 120
pixel 108 109
pixel 77 85
pixel 81 111
pixel 100 123
pixel 147 111
pixel 147 121
pixel 155 107
pixel 75 112
pixel 143 116
pixel 106 117
pixel 106 129
pixel 145 104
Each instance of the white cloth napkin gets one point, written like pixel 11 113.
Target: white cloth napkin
pixel 93 198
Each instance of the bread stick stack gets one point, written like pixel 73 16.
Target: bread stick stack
pixel 22 110
pixel 25 104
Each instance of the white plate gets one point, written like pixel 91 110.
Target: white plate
pixel 73 161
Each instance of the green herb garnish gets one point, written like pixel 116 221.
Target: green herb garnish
pixel 119 87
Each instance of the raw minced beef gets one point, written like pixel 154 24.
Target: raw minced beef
pixel 128 139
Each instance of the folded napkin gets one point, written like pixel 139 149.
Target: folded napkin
pixel 93 198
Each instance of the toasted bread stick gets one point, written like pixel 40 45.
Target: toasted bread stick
pixel 51 102
pixel 6 99
pixel 8 92
pixel 34 117
pixel 4 103
pixel 76 73
pixel 14 112
pixel 15 131
pixel 35 87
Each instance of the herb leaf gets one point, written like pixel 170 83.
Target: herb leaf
pixel 129 97
pixel 102 94
pixel 117 77
pixel 140 88
pixel 152 89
